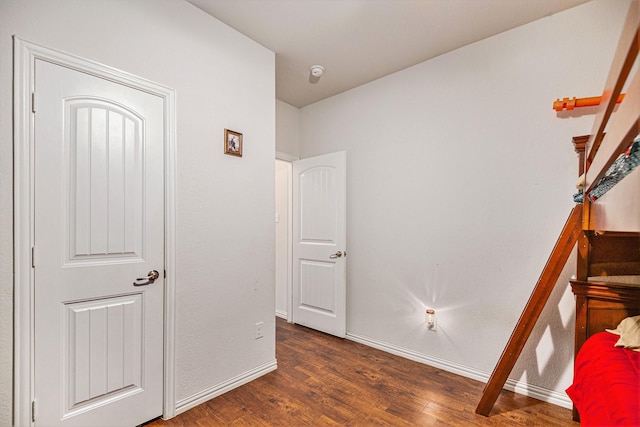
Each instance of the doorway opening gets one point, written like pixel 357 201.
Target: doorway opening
pixel 283 239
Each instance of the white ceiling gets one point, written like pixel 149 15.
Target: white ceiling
pixel 358 41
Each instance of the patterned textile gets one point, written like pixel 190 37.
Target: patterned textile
pixel 620 168
pixel 579 197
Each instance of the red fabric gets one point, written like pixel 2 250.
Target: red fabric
pixel 606 383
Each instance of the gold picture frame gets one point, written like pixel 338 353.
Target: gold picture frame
pixel 232 143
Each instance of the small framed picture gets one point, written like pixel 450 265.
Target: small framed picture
pixel 232 143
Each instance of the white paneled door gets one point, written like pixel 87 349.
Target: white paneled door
pixel 319 243
pixel 99 241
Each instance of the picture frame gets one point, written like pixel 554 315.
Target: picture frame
pixel 232 143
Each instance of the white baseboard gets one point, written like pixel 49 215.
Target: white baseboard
pixel 550 396
pixel 211 392
pixel 546 395
pixel 282 314
pixel 536 392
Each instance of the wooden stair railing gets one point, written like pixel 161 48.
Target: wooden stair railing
pixel 550 274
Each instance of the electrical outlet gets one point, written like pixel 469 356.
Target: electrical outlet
pixel 259 333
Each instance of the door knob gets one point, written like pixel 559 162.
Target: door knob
pixel 151 277
pixel 336 255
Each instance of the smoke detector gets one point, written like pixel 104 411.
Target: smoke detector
pixel 316 70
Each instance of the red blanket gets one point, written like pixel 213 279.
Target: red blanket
pixel 606 383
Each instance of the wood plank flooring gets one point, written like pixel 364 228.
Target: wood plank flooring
pixel 322 380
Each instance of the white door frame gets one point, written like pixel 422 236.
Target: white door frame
pixel 289 159
pixel 25 55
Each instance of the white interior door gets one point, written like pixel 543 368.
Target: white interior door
pixel 319 243
pixel 99 226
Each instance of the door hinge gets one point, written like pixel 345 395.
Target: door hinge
pixel 33 257
pixel 33 102
pixel 34 409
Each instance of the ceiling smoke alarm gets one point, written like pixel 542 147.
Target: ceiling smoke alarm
pixel 317 70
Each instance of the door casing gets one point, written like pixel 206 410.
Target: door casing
pixel 289 287
pixel 25 54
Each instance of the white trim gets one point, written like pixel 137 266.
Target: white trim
pixel 171 161
pixel 550 396
pixel 25 54
pixel 23 235
pixel 288 314
pixel 290 243
pixel 546 395
pixel 445 365
pixel 285 157
pixel 215 391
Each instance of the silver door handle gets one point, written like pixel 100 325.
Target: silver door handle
pixel 151 277
pixel 336 255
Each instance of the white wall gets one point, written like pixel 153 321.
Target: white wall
pixel 287 131
pixel 225 227
pixel 459 180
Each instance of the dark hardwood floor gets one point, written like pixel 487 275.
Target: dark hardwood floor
pixel 322 380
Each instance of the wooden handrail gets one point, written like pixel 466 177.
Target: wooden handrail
pixel 620 133
pixel 621 66
pixel 547 281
